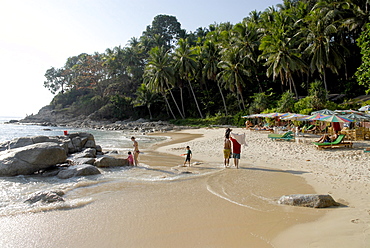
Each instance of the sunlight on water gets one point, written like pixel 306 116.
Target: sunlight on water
pixel 15 190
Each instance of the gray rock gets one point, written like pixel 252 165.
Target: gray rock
pixel 109 161
pixel 76 161
pixel 308 200
pixel 31 158
pixel 78 170
pixel 46 197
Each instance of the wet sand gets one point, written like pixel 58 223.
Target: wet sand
pixel 209 207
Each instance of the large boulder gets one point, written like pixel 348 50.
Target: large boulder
pixel 109 161
pixel 78 170
pixel 308 200
pixel 26 141
pixel 31 158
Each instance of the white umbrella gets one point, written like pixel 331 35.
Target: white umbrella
pixel 323 111
pixel 364 108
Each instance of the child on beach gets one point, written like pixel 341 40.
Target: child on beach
pixel 188 155
pixel 130 159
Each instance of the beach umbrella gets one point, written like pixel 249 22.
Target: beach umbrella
pixel 294 117
pixel 315 117
pixel 356 117
pixel 336 118
pixel 364 108
pixel 347 112
pixel 323 111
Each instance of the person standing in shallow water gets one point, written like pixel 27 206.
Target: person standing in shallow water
pixel 236 151
pixel 227 150
pixel 188 155
pixel 136 151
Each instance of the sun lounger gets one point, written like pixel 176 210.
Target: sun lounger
pixel 286 136
pixel 335 144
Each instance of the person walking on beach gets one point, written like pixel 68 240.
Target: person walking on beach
pixel 227 150
pixel 188 155
pixel 136 151
pixel 236 147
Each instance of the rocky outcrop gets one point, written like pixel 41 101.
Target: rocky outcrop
pixel 30 159
pixel 78 170
pixel 49 155
pixel 108 161
pixel 308 200
pixel 48 116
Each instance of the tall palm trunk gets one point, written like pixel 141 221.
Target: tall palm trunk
pixel 177 106
pixel 223 98
pixel 195 99
pixel 324 79
pixel 182 100
pixel 169 106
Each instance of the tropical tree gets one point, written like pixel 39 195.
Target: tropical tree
pixel 280 51
pixel 159 75
pixel 56 79
pixel 210 54
pixel 146 97
pixel 233 72
pixel 321 48
pixel 165 29
pixel 363 72
pixel 186 65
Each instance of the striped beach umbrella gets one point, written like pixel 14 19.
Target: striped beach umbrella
pixel 336 118
pixel 323 111
pixel 356 117
pixel 316 117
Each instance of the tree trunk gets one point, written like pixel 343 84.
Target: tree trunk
pixel 223 98
pixel 324 79
pixel 150 113
pixel 182 101
pixel 195 99
pixel 177 106
pixel 169 107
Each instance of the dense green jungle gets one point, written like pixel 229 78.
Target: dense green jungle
pixel 297 56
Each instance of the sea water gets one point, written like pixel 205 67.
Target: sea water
pixel 15 190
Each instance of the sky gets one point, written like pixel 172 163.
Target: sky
pixel 36 35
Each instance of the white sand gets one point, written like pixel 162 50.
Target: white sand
pixel 344 173
pixel 222 208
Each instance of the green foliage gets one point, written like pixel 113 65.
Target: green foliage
pixel 238 120
pixel 261 101
pixel 303 106
pixel 239 69
pixel 286 102
pixel 317 95
pixel 363 72
pixel 205 122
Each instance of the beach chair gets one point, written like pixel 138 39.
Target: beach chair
pixel 335 144
pixel 286 136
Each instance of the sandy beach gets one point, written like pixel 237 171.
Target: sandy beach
pixel 210 206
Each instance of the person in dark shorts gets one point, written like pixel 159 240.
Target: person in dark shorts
pixel 188 155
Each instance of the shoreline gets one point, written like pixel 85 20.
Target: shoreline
pixel 342 173
pixel 211 206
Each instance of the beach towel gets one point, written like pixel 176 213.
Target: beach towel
pixel 240 138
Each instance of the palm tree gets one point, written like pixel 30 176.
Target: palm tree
pixel 159 75
pixel 185 64
pixel 321 47
pixel 233 72
pixel 247 38
pixel 146 98
pixel 210 55
pixel 280 51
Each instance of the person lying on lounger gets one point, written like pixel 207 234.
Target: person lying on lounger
pixel 328 138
